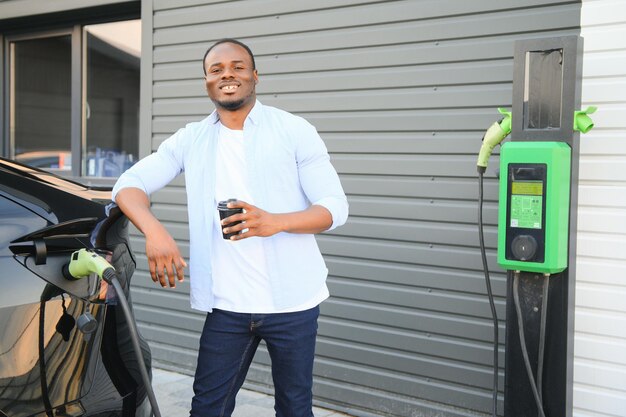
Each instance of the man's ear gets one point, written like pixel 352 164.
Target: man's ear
pixel 256 77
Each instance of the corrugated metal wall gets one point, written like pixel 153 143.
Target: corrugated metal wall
pixel 600 344
pixel 401 92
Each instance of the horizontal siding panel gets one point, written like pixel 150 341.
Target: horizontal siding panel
pixel 601 323
pixel 599 402
pixel 410 253
pixel 404 143
pixel 415 276
pixel 601 246
pixel 605 37
pixel 412 231
pixel 601 297
pixel 416 298
pixel 602 91
pixel 437 369
pixel 372 121
pixel 609 64
pixel 178 296
pixel 369 15
pixel 600 271
pixel 419 209
pixel 366 58
pixel 170 335
pixel 400 99
pixel 162 317
pixel 430 187
pixel 425 343
pixel 602 220
pixel 170 212
pixel 609 376
pixel 170 195
pixel 173 357
pixel 599 348
pixel 602 142
pixel 210 12
pixel 393 404
pixel 595 13
pixel 437 324
pixel 469 73
pixel 419 165
pixel 604 169
pixel 402 32
pixel 160 5
pixel 413 386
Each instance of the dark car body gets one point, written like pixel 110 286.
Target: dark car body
pixel 65 347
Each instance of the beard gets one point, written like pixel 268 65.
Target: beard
pixel 230 105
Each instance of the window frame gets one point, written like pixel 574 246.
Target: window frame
pixel 78 94
pixel 75 92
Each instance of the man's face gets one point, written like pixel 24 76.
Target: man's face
pixel 230 78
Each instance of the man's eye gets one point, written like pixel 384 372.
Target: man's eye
pixel 238 68
pixel 215 70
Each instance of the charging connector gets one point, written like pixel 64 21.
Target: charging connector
pixel 493 136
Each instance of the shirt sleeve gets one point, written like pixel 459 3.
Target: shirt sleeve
pixel 318 177
pixel 156 170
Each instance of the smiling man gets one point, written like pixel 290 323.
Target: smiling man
pixel 266 282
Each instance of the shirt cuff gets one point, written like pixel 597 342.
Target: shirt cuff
pixel 338 208
pixel 127 180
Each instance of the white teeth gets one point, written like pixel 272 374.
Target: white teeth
pixel 229 87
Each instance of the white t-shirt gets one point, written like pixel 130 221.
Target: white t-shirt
pixel 241 280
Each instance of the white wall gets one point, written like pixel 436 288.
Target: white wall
pixel 600 346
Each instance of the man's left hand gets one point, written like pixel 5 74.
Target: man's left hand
pixel 255 222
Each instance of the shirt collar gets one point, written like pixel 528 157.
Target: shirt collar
pixel 254 116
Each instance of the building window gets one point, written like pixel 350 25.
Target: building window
pixel 40 95
pixel 74 99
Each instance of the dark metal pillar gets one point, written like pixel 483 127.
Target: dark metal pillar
pixel 546 90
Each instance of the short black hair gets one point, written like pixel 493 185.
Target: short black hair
pixel 229 40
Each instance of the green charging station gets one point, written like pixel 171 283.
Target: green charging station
pixel 537 224
pixel 533 215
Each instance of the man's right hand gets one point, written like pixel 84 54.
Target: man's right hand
pixel 164 260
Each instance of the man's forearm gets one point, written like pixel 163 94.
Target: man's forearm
pixel 315 219
pixel 135 204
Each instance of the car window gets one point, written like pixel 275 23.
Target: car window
pixel 16 221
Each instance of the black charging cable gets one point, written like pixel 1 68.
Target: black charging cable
pixel 492 304
pixel 522 339
pixel 110 276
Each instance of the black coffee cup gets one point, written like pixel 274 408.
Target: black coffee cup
pixel 222 208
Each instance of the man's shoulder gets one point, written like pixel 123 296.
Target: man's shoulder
pixel 284 117
pixel 200 124
pixel 193 130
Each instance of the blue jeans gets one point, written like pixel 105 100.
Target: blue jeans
pixel 227 346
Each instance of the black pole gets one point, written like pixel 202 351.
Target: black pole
pixel 545 114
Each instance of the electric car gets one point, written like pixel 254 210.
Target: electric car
pixel 65 345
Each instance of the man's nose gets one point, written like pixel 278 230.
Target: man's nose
pixel 227 73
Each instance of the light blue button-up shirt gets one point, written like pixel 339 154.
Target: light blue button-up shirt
pixel 288 170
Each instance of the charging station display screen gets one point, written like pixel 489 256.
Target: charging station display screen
pixel 526 204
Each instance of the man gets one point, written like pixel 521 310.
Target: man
pixel 267 281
